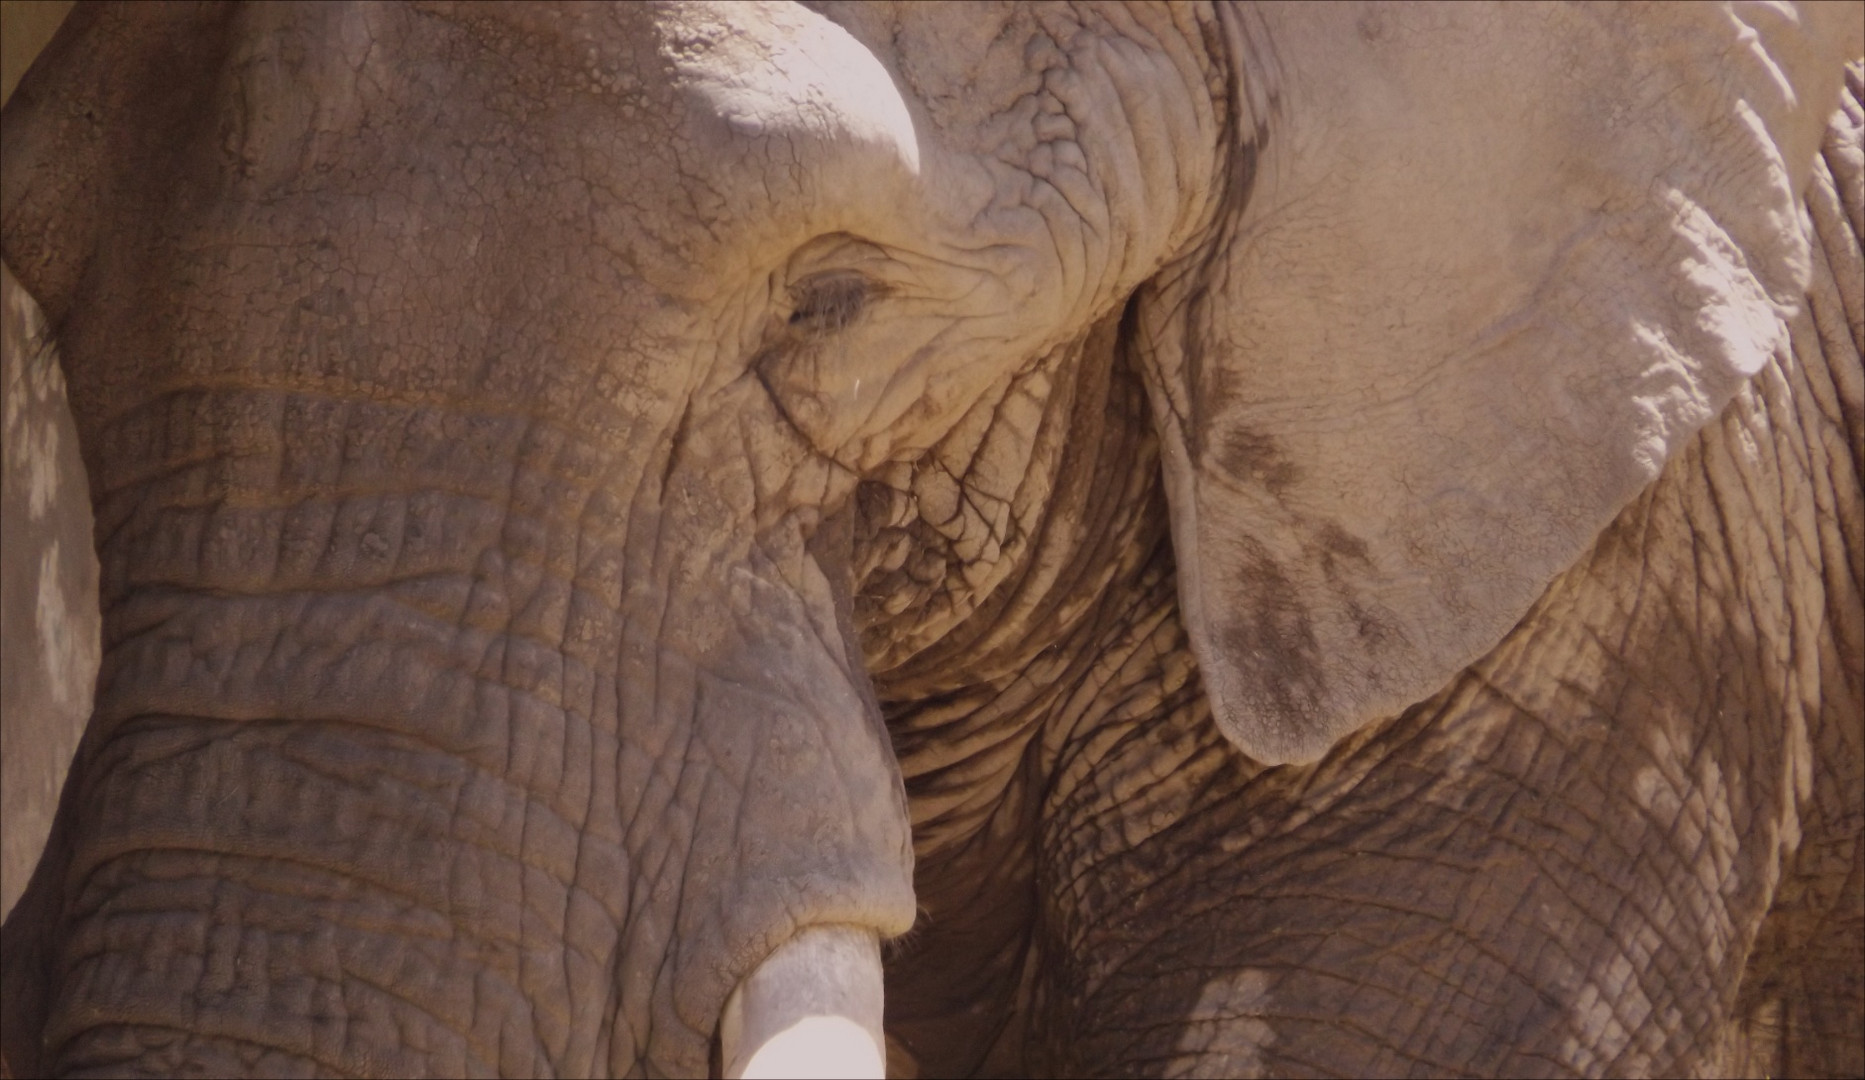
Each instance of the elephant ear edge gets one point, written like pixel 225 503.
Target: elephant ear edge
pixel 1491 272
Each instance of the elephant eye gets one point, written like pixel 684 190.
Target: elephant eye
pixel 828 302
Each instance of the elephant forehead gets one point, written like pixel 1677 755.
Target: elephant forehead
pixel 731 133
pixel 773 123
pixel 770 77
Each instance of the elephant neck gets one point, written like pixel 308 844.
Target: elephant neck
pixel 984 555
pixel 1023 569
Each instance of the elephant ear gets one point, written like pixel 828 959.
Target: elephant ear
pixel 1479 271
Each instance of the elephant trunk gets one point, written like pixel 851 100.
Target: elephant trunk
pixel 445 742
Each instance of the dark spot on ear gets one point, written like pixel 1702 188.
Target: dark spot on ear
pixel 1340 546
pixel 1223 391
pixel 1370 629
pixel 829 302
pixel 1340 552
pixel 1251 458
pixel 1267 638
pixel 1373 25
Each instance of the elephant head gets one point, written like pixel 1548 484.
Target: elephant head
pixel 530 443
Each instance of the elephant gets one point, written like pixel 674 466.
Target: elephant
pixel 1094 539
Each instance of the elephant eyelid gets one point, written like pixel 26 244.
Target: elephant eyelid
pixel 828 302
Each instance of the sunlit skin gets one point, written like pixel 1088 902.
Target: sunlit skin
pixel 974 539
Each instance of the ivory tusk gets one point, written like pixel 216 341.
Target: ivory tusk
pixel 812 1009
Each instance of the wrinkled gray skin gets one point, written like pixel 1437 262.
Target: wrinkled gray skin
pixel 1299 540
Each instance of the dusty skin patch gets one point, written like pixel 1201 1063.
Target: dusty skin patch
pixel 1227 1035
pixel 61 647
pixel 35 398
pixel 48 588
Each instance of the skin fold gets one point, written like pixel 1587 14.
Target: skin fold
pixel 1177 539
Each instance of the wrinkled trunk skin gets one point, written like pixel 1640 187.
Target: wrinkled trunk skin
pixel 447 838
pixel 387 833
pixel 459 710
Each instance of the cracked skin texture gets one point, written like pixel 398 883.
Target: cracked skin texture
pixel 583 495
pixel 1492 883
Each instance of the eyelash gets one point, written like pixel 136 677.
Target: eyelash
pixel 831 302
